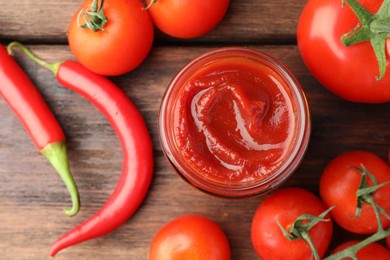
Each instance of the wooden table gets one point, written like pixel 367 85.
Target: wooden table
pixel 31 194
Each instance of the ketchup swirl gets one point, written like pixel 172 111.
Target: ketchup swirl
pixel 234 121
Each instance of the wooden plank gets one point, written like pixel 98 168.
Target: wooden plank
pixel 246 21
pixel 32 196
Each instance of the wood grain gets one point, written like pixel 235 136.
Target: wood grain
pixel 245 21
pixel 32 196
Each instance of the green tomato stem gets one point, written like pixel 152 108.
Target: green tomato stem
pixel 373 28
pixel 150 4
pixel 309 241
pixel 365 195
pixel 375 207
pixel 351 251
pixel 94 19
pixel 365 192
pixel 301 227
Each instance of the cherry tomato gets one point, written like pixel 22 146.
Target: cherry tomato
pixel 373 251
pixel 349 72
pixel 190 237
pixel 339 183
pixel 285 206
pixel 121 45
pixel 187 18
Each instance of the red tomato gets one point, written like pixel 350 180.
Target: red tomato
pixel 121 46
pixel 187 18
pixel 339 183
pixel 349 72
pixel 286 206
pixel 373 251
pixel 388 242
pixel 190 237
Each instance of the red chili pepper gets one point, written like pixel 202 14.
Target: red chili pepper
pixel 36 117
pixel 133 134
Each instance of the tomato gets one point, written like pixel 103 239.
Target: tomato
pixel 190 237
pixel 349 72
pixel 187 18
pixel 388 242
pixel 121 46
pixel 373 251
pixel 339 183
pixel 285 206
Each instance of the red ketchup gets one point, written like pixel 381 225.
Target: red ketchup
pixel 234 123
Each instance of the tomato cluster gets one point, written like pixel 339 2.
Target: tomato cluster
pixel 280 211
pixel 114 37
pixel 354 187
pixel 354 193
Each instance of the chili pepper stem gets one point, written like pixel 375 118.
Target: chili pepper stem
pixel 53 67
pixel 57 155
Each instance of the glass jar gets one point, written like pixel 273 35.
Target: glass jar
pixel 234 123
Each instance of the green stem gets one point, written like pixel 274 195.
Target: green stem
pixel 384 11
pixel 365 194
pixel 354 37
pixel 373 28
pixel 57 155
pixel 379 47
pixel 94 19
pixel 379 27
pixel 150 4
pixel 351 251
pixel 301 227
pixel 53 67
pixel 363 15
pixel 309 241
pixel 375 207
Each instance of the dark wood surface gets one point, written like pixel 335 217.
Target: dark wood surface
pixel 31 194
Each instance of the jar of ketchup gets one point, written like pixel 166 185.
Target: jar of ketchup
pixel 234 123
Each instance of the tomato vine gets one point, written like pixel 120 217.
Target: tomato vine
pixel 301 227
pixel 365 195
